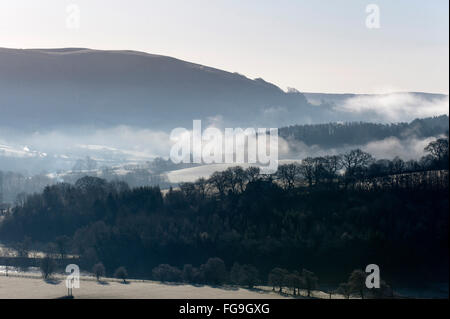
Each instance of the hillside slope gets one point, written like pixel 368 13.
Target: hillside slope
pixel 56 87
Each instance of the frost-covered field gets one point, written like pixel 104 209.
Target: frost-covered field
pixel 191 174
pixel 33 287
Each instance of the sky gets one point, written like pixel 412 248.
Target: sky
pixel 313 46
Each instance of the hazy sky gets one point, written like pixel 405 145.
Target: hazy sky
pixel 314 46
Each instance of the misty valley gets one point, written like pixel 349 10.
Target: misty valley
pixel 92 181
pixel 236 225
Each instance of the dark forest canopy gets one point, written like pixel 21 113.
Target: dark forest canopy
pixel 329 214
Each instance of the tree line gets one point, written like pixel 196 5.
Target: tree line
pixel 360 133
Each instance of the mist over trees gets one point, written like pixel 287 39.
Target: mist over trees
pixel 360 133
pixel 238 225
pixel 16 184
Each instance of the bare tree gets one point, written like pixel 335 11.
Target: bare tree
pixel 121 273
pixel 98 270
pixel 277 278
pixel 357 282
pixel 188 190
pixel 288 175
pixel 240 177
pixel 245 275
pixel 307 168
pixel 215 271
pixel 356 158
pixel 295 282
pixel 331 165
pixel 319 171
pixel 355 163
pixel 218 181
pixel 202 187
pixel 438 149
pixel 397 166
pixel 310 281
pixel 345 290
pixel 47 267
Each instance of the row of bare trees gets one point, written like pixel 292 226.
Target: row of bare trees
pixel 356 285
pixel 305 279
pixel 349 169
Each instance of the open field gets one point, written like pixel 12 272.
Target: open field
pixel 33 287
pixel 191 174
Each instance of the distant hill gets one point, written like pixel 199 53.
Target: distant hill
pixel 72 87
pixel 58 87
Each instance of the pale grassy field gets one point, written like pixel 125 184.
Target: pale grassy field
pixel 33 287
pixel 191 174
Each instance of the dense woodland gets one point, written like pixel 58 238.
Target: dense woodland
pixel 328 214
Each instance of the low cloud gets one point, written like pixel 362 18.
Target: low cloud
pixel 396 107
pixel 389 148
pixel 110 145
